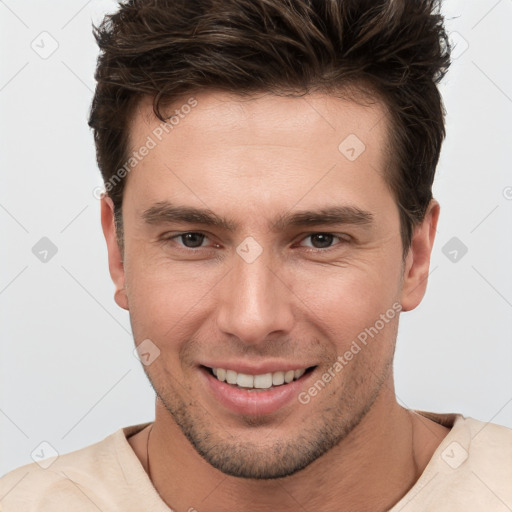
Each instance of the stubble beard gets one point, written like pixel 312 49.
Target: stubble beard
pixel 234 456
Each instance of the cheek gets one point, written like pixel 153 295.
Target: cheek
pixel 344 302
pixel 163 298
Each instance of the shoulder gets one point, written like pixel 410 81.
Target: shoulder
pixel 80 478
pixel 490 457
pixel 485 432
pixel 471 470
pixel 484 447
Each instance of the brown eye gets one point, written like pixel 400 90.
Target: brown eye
pixel 192 240
pixel 321 240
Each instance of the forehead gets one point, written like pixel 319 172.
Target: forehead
pixel 262 116
pixel 220 148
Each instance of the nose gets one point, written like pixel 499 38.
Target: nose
pixel 255 302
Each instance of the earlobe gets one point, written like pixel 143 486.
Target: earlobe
pixel 417 262
pixel 115 260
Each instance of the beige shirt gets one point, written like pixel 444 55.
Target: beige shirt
pixel 470 471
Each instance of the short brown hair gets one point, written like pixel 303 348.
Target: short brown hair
pixel 397 50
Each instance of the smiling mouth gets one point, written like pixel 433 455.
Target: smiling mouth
pixel 262 382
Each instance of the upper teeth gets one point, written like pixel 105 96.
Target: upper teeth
pixel 263 381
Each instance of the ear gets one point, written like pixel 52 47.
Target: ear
pixel 115 260
pixel 417 262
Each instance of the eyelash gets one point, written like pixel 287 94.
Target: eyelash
pixel 342 237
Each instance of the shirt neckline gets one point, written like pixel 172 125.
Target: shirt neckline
pixel 137 478
pixel 134 473
pixel 459 433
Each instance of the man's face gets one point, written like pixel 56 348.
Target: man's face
pixel 266 294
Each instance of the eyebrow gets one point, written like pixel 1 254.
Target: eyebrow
pixel 165 212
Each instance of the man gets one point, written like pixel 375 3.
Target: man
pixel 268 167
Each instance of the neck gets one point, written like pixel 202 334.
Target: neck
pixel 369 470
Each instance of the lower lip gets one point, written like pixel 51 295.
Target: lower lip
pixel 254 402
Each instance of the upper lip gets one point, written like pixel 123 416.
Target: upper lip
pixel 259 369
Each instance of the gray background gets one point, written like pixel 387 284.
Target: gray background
pixel 68 373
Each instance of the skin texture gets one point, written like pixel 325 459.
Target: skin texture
pixel 352 447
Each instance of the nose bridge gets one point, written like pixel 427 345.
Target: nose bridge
pixel 254 302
